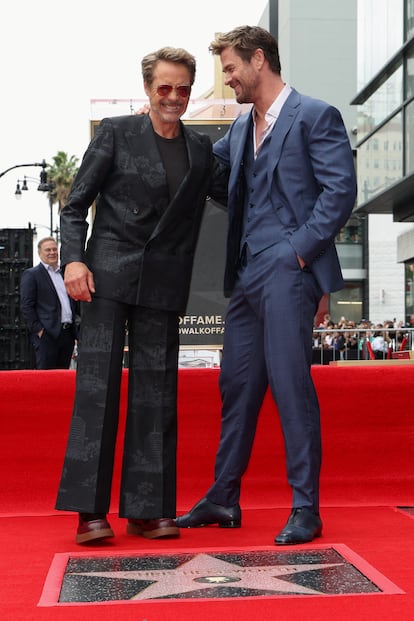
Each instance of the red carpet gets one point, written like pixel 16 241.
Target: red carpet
pixel 368 436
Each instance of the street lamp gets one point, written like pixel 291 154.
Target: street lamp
pixel 36 226
pixel 44 186
pixel 21 186
pixel 42 164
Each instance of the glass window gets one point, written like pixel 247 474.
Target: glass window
pixel 409 138
pixel 409 293
pixel 383 165
pixel 349 244
pixel 380 35
pixel 350 256
pixel 347 302
pixel 409 26
pixel 352 232
pixel 409 74
pixel 386 99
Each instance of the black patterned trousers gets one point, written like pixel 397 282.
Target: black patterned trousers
pixel 148 484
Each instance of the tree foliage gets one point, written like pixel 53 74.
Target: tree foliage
pixel 61 175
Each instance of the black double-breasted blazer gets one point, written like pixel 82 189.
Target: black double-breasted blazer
pixel 142 244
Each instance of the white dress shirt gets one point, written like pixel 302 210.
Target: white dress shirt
pixel 57 280
pixel 271 117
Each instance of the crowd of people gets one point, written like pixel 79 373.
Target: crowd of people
pixel 344 335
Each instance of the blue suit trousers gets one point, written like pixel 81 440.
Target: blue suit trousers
pixel 268 342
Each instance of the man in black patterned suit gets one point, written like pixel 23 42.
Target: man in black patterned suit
pixel 150 176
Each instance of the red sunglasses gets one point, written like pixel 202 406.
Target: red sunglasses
pixel 165 89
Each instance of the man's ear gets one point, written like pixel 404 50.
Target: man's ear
pixel 258 58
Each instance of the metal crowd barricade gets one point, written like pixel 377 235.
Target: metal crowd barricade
pixel 357 343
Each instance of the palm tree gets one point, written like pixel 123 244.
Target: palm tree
pixel 61 175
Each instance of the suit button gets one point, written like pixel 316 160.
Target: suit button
pixel 135 211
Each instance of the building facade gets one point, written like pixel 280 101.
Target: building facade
pixel 385 152
pixel 359 56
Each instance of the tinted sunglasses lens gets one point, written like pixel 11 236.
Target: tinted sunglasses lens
pixel 183 91
pixel 165 89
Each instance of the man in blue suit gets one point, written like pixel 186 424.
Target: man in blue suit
pixel 291 189
pixel 49 312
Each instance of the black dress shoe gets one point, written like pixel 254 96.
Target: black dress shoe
pixel 206 512
pixel 92 527
pixel 302 526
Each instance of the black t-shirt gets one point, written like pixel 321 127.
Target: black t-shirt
pixel 175 159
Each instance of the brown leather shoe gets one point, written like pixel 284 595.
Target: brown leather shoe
pixel 162 528
pixel 93 526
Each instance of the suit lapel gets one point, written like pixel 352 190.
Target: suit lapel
pixel 281 129
pixel 237 146
pixel 144 152
pixel 47 279
pixel 236 180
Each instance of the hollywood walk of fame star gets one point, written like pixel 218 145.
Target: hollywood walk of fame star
pixel 205 571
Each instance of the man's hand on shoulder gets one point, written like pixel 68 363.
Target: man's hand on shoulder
pixel 144 109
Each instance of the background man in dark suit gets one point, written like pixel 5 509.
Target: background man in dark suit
pixel 150 176
pixel 292 187
pixel 48 310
